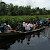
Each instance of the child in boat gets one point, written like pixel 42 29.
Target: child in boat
pixel 18 28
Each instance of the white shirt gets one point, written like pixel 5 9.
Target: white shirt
pixel 28 26
pixel 9 26
pixel 24 24
pixel 34 26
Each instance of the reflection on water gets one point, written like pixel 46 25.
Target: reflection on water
pixel 34 41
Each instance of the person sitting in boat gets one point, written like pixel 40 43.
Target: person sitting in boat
pixel 39 23
pixel 24 24
pixel 7 27
pixel 18 27
pixel 4 27
pixel 47 23
pixel 34 25
pixel 42 22
pixel 28 22
pixel 28 26
pixel 34 21
pixel 22 28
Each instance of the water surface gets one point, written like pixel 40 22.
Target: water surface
pixel 34 41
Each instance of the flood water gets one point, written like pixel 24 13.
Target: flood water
pixel 34 41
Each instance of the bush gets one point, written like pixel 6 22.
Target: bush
pixel 14 20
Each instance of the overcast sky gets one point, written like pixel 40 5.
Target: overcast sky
pixel 32 3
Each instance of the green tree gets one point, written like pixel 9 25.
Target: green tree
pixel 3 8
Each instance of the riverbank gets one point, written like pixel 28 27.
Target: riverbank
pixel 14 20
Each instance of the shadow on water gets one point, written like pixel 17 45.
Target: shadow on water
pixel 7 42
pixel 32 39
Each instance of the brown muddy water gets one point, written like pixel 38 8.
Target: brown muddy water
pixel 34 41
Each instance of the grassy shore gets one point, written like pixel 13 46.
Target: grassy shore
pixel 14 20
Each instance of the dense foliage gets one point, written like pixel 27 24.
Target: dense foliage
pixel 10 9
pixel 14 20
pixel 16 15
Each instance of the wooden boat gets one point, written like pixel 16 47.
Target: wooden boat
pixel 20 33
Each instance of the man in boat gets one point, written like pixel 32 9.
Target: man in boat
pixel 28 26
pixel 6 28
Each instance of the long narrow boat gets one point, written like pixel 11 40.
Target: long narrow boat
pixel 21 33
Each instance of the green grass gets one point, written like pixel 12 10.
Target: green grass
pixel 14 20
